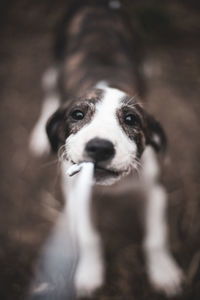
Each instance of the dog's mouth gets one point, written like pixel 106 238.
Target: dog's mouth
pixel 101 172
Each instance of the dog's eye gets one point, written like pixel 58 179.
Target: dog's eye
pixel 77 115
pixel 132 120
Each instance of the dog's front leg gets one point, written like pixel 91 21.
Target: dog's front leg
pixel 39 143
pixel 89 269
pixel 163 271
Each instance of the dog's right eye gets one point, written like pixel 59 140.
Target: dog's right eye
pixel 77 115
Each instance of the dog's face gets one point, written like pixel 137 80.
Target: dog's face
pixel 107 127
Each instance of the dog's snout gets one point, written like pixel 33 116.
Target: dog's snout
pixel 100 149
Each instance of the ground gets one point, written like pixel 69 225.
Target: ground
pixel 30 195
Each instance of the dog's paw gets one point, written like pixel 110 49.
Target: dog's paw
pixel 38 143
pixel 164 273
pixel 88 277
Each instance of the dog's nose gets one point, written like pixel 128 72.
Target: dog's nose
pixel 100 149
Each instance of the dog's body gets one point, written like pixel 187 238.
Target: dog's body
pixel 98 119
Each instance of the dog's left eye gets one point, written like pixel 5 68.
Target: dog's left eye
pixel 77 115
pixel 131 120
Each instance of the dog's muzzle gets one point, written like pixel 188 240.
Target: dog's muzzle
pixel 100 150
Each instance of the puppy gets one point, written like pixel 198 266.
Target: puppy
pixel 91 114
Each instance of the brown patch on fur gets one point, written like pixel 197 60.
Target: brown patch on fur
pixel 88 109
pixel 94 95
pixel 74 62
pixel 74 83
pixel 77 21
pixel 99 48
pixel 86 104
pixel 61 124
pixel 134 132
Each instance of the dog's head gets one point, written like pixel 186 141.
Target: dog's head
pixel 107 127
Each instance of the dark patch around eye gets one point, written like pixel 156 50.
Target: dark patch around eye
pixel 131 116
pixel 80 115
pixel 82 112
pixel 132 124
pixel 78 109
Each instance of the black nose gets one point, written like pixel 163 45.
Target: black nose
pixel 100 149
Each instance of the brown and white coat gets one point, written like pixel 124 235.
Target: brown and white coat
pixel 90 94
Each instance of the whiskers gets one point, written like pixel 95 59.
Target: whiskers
pixel 62 154
pixel 136 166
pixel 50 163
pixel 132 101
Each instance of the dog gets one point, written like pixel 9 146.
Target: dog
pixel 91 113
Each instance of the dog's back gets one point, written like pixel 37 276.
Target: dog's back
pixel 94 41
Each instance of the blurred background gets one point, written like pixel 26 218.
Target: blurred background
pixel 30 195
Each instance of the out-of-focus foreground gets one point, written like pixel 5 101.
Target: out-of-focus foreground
pixel 30 195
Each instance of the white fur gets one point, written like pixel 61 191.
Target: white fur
pixel 105 124
pixel 164 273
pixel 39 143
pixel 49 79
pixel 150 170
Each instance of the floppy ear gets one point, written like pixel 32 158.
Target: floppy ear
pixel 155 135
pixel 56 129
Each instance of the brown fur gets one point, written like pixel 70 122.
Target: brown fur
pixel 100 46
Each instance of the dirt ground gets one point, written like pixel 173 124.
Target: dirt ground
pixel 30 195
